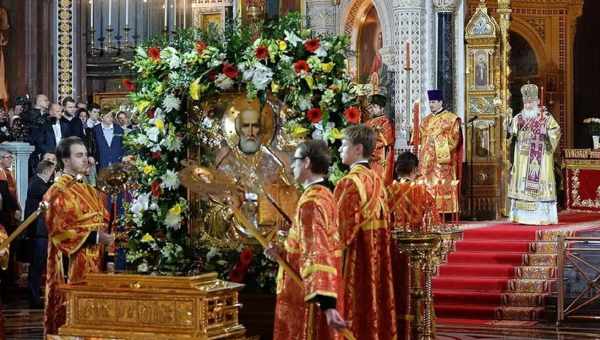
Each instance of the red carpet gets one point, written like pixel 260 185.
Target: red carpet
pixel 501 272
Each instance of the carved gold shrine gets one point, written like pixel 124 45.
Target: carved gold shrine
pixel 109 306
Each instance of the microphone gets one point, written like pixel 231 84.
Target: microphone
pixel 474 118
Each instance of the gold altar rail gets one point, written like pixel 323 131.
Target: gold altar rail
pixel 591 294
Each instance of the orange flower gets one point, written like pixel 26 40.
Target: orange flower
pixel 155 188
pixel 300 66
pixel 200 46
pixel 129 85
pixel 352 115
pixel 314 115
pixel 154 53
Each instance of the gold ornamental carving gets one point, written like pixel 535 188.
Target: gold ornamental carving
pixel 125 306
pixel 65 48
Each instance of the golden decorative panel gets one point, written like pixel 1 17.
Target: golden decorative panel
pixel 159 307
pixel 64 49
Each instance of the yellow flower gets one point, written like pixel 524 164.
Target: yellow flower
pixel 310 82
pixel 335 134
pixel 149 169
pixel 282 45
pixel 274 87
pixel 195 89
pixel 147 238
pixel 299 132
pixel 159 124
pixel 175 210
pixel 142 105
pixel 327 67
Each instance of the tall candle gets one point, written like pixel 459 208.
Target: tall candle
pixel 166 8
pixel 109 13
pixel 416 118
pixel 174 14
pixel 408 55
pixel 184 13
pixel 127 13
pixel 92 14
pixel 541 101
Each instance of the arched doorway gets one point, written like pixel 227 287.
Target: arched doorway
pixel 524 68
pixel 369 43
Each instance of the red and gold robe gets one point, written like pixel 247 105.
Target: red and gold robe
pixel 412 208
pixel 367 273
pixel 312 248
pixel 3 266
pixel 382 159
pixel 76 210
pixel 440 157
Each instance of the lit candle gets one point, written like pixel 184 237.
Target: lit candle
pixel 541 101
pixel 92 14
pixel 109 13
pixel 174 14
pixel 408 55
pixel 126 13
pixel 166 8
pixel 184 13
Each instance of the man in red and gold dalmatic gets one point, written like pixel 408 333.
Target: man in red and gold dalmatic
pixel 382 159
pixel 412 209
pixel 369 305
pixel 440 153
pixel 3 266
pixel 312 248
pixel 76 220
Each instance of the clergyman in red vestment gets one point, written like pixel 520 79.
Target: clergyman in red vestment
pixel 412 209
pixel 3 266
pixel 312 248
pixel 369 305
pixel 76 221
pixel 382 159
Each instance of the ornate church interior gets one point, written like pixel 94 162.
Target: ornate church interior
pixel 299 169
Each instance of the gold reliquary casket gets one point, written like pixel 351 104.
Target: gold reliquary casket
pixel 122 306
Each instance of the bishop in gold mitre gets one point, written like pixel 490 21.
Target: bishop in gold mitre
pixel 532 189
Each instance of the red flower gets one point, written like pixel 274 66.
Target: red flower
pixel 129 85
pixel 301 65
pixel 212 75
pixel 245 257
pixel 155 155
pixel 200 46
pixel 312 45
pixel 314 115
pixel 150 113
pixel 155 188
pixel 262 53
pixel 352 115
pixel 230 71
pixel 154 53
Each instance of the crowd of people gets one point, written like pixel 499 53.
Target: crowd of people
pixel 44 124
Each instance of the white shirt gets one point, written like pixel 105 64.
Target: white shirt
pixel 108 133
pixel 57 131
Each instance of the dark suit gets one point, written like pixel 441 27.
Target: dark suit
pixel 38 233
pixel 75 128
pixel 48 141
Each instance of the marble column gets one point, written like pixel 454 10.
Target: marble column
pixel 445 63
pixel 21 151
pixel 409 22
pixel 321 16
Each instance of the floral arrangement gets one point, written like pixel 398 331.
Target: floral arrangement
pixel 305 71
